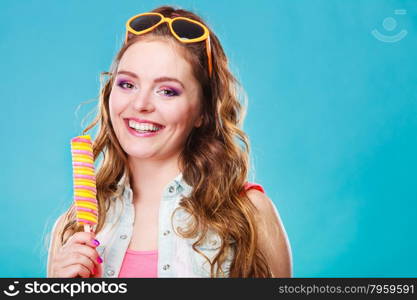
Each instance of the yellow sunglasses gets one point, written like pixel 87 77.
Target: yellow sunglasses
pixel 183 29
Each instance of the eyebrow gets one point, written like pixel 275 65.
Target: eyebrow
pixel 160 79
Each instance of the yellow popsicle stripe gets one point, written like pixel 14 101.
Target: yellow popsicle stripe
pixel 89 149
pixel 86 182
pixel 79 212
pixel 79 155
pixel 82 158
pixel 81 144
pixel 83 172
pixel 86 204
pixel 83 168
pixel 84 193
pixel 89 217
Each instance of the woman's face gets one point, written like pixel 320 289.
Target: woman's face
pixel 154 89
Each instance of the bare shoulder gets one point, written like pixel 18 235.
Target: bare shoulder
pixel 261 201
pixel 273 240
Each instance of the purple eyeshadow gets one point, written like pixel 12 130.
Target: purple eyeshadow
pixel 177 92
pixel 120 81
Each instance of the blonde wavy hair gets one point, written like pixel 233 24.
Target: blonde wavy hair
pixel 213 161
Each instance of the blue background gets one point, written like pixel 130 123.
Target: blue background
pixel 332 121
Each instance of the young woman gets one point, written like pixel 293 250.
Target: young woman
pixel 172 190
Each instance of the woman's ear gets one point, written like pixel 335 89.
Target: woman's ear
pixel 199 121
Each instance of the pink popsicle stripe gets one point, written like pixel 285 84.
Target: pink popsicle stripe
pixel 79 148
pixel 85 203
pixel 79 198
pixel 85 187
pixel 92 181
pixel 76 151
pixel 86 221
pixel 75 154
pixel 81 140
pixel 85 176
pixel 75 167
pixel 84 160
pixel 84 164
pixel 83 168
pixel 87 210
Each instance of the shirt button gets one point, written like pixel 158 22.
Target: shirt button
pixel 171 189
pixel 165 267
pixel 123 236
pixel 167 232
pixel 110 272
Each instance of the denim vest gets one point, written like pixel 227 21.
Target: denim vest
pixel 176 257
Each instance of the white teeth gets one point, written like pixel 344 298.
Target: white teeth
pixel 143 126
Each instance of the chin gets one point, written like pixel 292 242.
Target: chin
pixel 140 155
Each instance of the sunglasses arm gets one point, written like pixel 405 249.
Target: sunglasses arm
pixel 209 61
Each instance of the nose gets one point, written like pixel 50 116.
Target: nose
pixel 143 102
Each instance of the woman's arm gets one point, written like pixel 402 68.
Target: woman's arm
pixel 272 238
pixel 53 244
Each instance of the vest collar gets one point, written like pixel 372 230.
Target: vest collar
pixel 171 190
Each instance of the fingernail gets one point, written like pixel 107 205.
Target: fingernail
pixel 99 260
pixel 96 243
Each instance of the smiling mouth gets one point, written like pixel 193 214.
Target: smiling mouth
pixel 144 127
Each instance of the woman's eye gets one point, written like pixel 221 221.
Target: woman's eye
pixel 168 92
pixel 125 85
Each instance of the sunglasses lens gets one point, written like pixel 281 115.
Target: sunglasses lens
pixel 144 22
pixel 187 30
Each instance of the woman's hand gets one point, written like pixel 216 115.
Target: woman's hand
pixel 77 258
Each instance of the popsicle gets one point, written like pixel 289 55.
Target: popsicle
pixel 84 182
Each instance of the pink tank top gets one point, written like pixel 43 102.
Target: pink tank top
pixel 144 264
pixel 139 264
